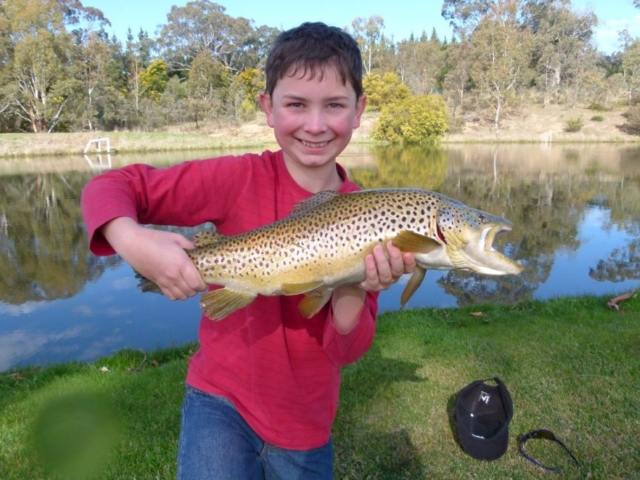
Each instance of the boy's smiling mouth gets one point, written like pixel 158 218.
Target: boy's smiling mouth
pixel 314 144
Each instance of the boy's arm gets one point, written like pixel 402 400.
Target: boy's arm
pixel 157 255
pixel 381 273
pixel 115 202
pixel 351 325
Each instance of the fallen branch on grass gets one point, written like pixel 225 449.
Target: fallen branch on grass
pixel 613 303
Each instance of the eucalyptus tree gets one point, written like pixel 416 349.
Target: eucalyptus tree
pixel 37 69
pixel 562 47
pixel 97 72
pixel 208 80
pixel 630 65
pixel 202 25
pixel 501 56
pixel 369 35
pixel 419 63
pixel 5 58
pixel 137 59
pixel 456 79
pixel 498 49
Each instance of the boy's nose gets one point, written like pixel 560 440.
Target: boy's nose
pixel 315 121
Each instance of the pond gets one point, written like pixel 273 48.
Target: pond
pixel 575 210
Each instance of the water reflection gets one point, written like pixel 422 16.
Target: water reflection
pixel 575 209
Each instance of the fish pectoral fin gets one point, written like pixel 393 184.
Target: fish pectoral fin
pixel 412 285
pixel 217 304
pixel 409 241
pixel 298 288
pixel 202 239
pixel 313 303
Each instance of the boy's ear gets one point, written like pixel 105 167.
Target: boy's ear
pixel 267 107
pixel 361 104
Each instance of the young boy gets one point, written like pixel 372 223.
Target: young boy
pixel 262 390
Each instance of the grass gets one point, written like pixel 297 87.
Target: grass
pixel 21 145
pixel 571 365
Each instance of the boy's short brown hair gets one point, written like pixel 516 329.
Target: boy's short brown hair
pixel 311 47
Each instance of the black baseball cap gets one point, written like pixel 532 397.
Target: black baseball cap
pixel 483 413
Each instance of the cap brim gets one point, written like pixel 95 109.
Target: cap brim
pixel 484 448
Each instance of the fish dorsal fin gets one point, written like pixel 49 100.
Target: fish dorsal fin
pixel 298 288
pixel 412 285
pixel 202 239
pixel 312 202
pixel 312 304
pixel 219 303
pixel 413 242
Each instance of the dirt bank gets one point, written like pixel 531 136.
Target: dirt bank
pixel 528 124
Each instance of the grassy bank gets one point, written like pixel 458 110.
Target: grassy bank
pixel 22 145
pixel 527 124
pixel 571 365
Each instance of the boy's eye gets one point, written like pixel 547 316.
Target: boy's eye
pixel 335 105
pixel 294 104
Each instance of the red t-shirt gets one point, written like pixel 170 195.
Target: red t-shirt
pixel 281 370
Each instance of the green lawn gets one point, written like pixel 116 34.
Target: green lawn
pixel 571 365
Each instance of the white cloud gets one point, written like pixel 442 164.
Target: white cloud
pixel 23 309
pixel 20 345
pixel 607 34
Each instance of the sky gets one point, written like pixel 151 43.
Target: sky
pixel 401 17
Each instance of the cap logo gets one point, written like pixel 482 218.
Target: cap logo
pixel 484 397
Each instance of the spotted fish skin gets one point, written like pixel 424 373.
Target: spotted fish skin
pixel 324 241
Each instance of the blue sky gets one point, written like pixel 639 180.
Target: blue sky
pixel 402 17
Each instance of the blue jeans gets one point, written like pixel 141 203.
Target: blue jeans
pixel 216 443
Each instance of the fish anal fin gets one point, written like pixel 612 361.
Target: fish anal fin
pixel 203 239
pixel 312 202
pixel 298 288
pixel 313 303
pixel 409 241
pixel 219 303
pixel 412 285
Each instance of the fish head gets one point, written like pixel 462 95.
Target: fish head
pixel 469 235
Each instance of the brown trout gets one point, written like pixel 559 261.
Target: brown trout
pixel 323 242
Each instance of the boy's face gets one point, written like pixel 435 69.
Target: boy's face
pixel 312 119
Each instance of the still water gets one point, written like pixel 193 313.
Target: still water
pixel 575 209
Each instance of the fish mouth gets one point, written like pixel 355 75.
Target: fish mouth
pixel 482 256
pixel 488 236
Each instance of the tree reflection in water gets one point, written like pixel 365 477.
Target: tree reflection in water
pixel 575 210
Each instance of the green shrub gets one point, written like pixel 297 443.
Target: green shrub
pixel 383 90
pixel 597 118
pixel 574 124
pixel 597 107
pixel 633 120
pixel 415 119
pixel 247 109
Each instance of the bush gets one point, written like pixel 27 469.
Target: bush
pixel 383 90
pixel 574 124
pixel 597 107
pixel 415 119
pixel 597 118
pixel 247 110
pixel 633 120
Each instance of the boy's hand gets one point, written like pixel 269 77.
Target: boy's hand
pixel 382 271
pixel 157 255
